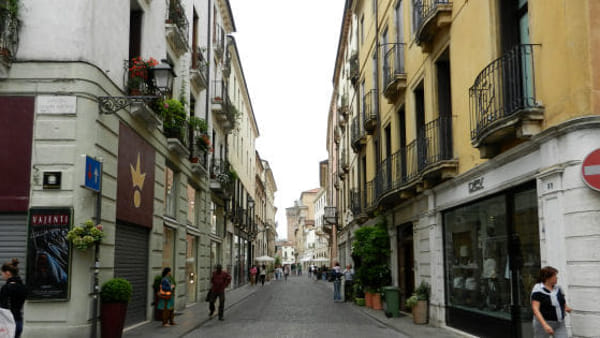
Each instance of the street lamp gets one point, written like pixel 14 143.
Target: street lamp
pixel 160 79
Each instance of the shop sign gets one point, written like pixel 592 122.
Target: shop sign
pixel 590 170
pixel 48 253
pixel 476 185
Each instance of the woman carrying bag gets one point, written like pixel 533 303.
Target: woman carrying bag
pixel 166 299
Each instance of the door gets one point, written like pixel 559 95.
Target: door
pixel 131 263
pixel 406 273
pixel 13 241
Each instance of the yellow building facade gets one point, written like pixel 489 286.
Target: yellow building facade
pixel 466 124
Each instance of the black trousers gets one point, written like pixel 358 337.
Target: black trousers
pixel 221 303
pixel 348 291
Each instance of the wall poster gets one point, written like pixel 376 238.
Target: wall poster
pixel 48 253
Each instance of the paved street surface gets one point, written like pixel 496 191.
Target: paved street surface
pixel 298 307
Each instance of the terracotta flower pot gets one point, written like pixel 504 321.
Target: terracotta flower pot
pixel 369 299
pixel 377 301
pixel 112 317
pixel 419 312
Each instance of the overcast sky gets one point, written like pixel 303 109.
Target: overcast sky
pixel 288 51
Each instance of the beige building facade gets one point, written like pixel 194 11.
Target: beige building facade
pixel 470 140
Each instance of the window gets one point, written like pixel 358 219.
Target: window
pixel 135 33
pixel 170 192
pixel 168 256
pixel 362 30
pixel 213 218
pixel 399 22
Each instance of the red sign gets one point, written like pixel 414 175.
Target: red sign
pixel 590 170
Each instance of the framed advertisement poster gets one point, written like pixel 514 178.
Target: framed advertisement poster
pixel 48 253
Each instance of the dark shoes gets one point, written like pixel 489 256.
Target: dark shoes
pixel 212 312
pixel 221 318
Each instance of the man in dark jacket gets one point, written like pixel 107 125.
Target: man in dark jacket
pixel 219 281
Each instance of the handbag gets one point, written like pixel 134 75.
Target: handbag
pixel 162 294
pixel 7 324
pixel 209 296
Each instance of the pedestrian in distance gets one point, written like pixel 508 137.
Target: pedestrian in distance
pixel 299 269
pixel 13 293
pixel 286 271
pixel 263 274
pixel 337 282
pixel 253 272
pixel 348 282
pixel 549 306
pixel 219 281
pixel 167 304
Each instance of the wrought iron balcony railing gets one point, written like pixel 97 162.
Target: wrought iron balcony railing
pixel 393 64
pixel 503 89
pixel 371 110
pixel 219 40
pixel 427 21
pixel 176 16
pixel 358 137
pixel 199 69
pixel 437 142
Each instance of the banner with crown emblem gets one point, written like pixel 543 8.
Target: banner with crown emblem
pixel 135 180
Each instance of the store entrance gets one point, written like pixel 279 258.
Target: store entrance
pixel 406 271
pixel 492 258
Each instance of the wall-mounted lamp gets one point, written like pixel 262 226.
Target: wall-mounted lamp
pixel 160 81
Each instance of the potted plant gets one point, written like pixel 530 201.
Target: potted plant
pixel 359 294
pixel 418 303
pixel 139 71
pixel 174 117
pixel 372 245
pixel 114 296
pixel 85 235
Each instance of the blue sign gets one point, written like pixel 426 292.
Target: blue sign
pixel 93 174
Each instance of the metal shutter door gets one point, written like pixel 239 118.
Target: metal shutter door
pixel 13 241
pixel 131 263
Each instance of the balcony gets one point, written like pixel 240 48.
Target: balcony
pixel 198 72
pixel 225 112
pixel 503 104
pixel 371 110
pixel 9 40
pixel 424 162
pixel 394 75
pixel 177 27
pixel 178 139
pixel 359 136
pixel 431 17
pixel 435 151
pixel 135 80
pixel 219 42
pixel 220 178
pixel 355 203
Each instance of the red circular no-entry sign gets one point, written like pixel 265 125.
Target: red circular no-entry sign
pixel 590 170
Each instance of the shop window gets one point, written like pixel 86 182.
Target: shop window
pixel 168 258
pixel 492 258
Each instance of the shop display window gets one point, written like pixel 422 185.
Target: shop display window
pixel 190 268
pixel 478 276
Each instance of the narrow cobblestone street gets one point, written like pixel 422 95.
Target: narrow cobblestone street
pixel 298 307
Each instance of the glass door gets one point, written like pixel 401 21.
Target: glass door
pixel 525 258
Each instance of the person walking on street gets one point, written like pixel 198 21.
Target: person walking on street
pixel 13 293
pixel 263 274
pixel 348 282
pixel 337 275
pixel 286 271
pixel 167 305
pixel 299 269
pixel 253 272
pixel 219 281
pixel 549 306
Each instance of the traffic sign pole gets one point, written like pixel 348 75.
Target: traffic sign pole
pixel 96 290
